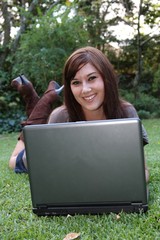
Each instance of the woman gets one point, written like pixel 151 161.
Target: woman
pixel 91 91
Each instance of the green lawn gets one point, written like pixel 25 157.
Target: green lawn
pixel 18 222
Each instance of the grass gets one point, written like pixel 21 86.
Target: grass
pixel 18 222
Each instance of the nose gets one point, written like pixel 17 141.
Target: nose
pixel 86 87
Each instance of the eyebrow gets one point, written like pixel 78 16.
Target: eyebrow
pixel 87 75
pixel 91 73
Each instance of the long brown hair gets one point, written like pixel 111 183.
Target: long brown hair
pixel 112 105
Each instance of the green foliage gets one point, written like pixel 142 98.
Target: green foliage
pixel 41 56
pixel 10 122
pixel 150 11
pixel 147 106
pixel 44 49
pixel 50 35
pixel 97 22
pixel 156 83
pixel 11 108
pixel 128 58
pixel 126 66
pixel 11 113
pixel 18 222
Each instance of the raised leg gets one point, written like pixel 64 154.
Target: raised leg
pixel 27 91
pixel 39 115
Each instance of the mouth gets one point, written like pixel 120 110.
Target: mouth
pixel 89 98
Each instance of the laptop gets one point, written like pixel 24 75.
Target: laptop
pixel 86 167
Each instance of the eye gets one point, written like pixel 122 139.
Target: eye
pixel 91 78
pixel 75 82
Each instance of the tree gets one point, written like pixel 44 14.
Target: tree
pixel 100 16
pixel 150 17
pixel 44 49
pixel 21 15
pixel 6 28
pixel 147 14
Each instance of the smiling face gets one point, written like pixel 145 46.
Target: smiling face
pixel 87 87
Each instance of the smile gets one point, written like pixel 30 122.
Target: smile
pixel 89 98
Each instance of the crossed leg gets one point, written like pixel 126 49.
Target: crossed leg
pixel 18 148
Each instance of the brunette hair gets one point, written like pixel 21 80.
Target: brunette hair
pixel 113 106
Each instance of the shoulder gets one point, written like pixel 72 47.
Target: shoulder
pixel 129 110
pixel 59 115
pixel 132 113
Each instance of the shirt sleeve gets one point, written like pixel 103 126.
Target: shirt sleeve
pixel 132 113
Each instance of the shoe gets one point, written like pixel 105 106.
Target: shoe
pixel 20 80
pixel 24 80
pixel 59 89
pixel 53 88
pixel 27 92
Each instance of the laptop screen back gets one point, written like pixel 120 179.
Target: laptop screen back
pixel 86 163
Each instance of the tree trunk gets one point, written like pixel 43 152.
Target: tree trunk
pixel 23 23
pixel 139 54
pixel 6 36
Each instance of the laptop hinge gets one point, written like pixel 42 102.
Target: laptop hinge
pixel 137 206
pixel 42 206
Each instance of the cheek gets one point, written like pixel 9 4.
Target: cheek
pixel 72 90
pixel 100 86
pixel 102 91
pixel 75 91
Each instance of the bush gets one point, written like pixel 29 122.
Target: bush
pixel 12 112
pixel 144 114
pixel 147 106
pixel 44 49
pixel 10 122
pixel 156 83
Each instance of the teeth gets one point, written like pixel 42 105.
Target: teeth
pixel 89 98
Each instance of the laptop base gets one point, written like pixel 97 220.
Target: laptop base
pixel 93 210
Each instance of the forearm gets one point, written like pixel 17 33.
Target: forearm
pixel 146 173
